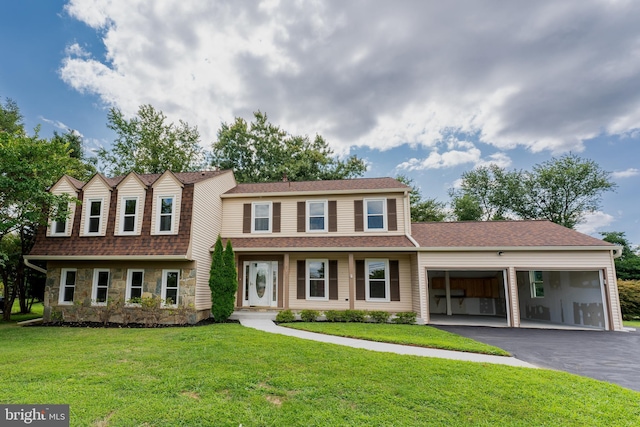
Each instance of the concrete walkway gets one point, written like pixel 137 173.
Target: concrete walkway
pixel 267 325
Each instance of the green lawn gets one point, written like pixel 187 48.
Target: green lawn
pixel 632 323
pixel 36 311
pixel 421 336
pixel 227 375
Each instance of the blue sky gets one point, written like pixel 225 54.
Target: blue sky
pixel 424 89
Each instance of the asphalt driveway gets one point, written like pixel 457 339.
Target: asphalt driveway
pixel 606 356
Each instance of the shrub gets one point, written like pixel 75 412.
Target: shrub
pixel 285 316
pixel 309 315
pixel 357 316
pixel 405 318
pixel 334 316
pixel 379 316
pixel 223 281
pixel 629 291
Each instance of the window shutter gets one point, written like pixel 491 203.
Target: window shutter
pixel 302 227
pixel 357 209
pixel 392 217
pixel 246 218
pixel 276 217
pixel 333 216
pixel 394 280
pixel 360 282
pixel 301 275
pixel 333 279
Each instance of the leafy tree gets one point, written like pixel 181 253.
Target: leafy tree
pixel 76 147
pixel 222 281
pixel 422 210
pixel 10 117
pixel 628 264
pixel 146 144
pixel 467 208
pixel 562 190
pixel 30 165
pixel 262 152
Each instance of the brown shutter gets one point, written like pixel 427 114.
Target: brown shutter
pixel 276 217
pixel 360 281
pixel 392 216
pixel 246 218
pixel 302 227
pixel 333 279
pixel 301 275
pixel 333 216
pixel 357 208
pixel 394 280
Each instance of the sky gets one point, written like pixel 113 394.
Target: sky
pixel 426 89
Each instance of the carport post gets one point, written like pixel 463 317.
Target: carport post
pixel 514 303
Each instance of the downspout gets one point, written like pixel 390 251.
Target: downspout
pixel 33 266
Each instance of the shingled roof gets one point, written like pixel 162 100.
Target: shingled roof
pixel 535 233
pixel 356 184
pixel 326 242
pixel 149 178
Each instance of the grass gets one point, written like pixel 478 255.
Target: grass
pixel 420 336
pixel 227 375
pixel 632 323
pixel 36 312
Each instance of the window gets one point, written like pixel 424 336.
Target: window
pixel 170 286
pixel 135 279
pixel 59 227
pixel 317 215
pixel 129 211
pixel 377 280
pixel 95 213
pixel 67 286
pixel 537 284
pixel 100 286
pixel 165 214
pixel 374 212
pixel 317 279
pixel 261 217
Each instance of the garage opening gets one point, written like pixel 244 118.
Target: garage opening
pixel 467 297
pixel 569 298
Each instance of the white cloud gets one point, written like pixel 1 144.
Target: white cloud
pixel 626 173
pixel 377 74
pixel 595 221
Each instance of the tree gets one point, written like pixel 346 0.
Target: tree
pixel 262 152
pixel 562 190
pixel 628 264
pixel 466 208
pixel 76 151
pixel 422 210
pixel 30 165
pixel 146 144
pixel 222 281
pixel 10 117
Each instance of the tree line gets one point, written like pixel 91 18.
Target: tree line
pixel 562 190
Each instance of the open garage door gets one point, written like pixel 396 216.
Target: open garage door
pixel 467 297
pixel 564 298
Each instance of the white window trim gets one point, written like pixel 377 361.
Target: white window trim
pixel 387 287
pixel 366 214
pixel 63 285
pixel 88 217
pixel 52 230
pixel 308 279
pixel 123 204
pixel 94 286
pixel 159 213
pixel 253 217
pixel 127 295
pixel 325 216
pixel 164 288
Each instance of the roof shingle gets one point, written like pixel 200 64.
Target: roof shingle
pixel 310 186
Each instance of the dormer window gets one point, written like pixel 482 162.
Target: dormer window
pixel 94 216
pixel 166 208
pixel 59 228
pixel 129 213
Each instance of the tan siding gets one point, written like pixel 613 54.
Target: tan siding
pixel 205 227
pixel 64 187
pixel 232 215
pixel 95 189
pixel 130 187
pixel 418 292
pixel 166 186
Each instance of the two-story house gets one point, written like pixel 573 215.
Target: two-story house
pixel 323 245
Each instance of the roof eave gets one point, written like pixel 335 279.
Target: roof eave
pixel 514 248
pixel 107 258
pixel 313 192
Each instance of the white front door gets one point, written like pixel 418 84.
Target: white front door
pixel 260 283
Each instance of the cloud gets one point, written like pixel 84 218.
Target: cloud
pixel 55 123
pixel 594 221
pixel 377 74
pixel 625 173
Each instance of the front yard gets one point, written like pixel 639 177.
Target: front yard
pixel 230 375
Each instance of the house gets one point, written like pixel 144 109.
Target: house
pixel 343 244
